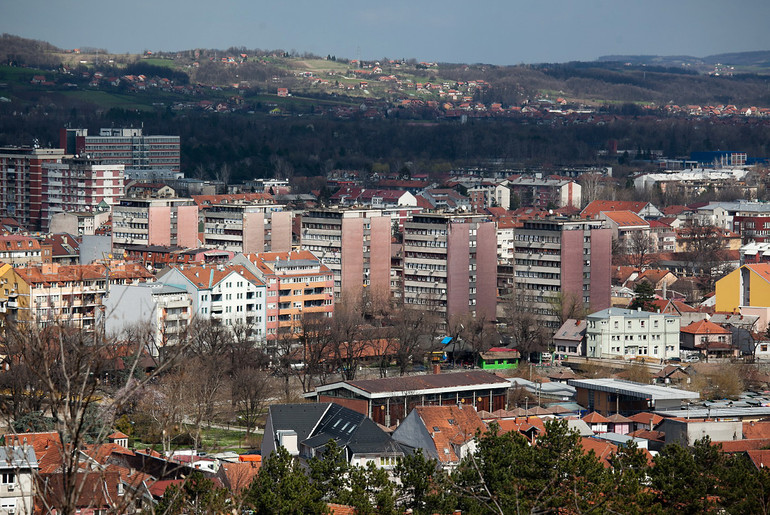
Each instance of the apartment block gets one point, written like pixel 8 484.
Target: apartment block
pixel 79 184
pixel 355 245
pixel 247 228
pixel 625 333
pixel 22 250
pixel 155 221
pixel 21 182
pixel 298 285
pixel 545 193
pixel 567 257
pixel 129 147
pixel 450 264
pixel 74 294
pixel 167 310
pixel 229 295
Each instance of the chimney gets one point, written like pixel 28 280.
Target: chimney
pixel 436 368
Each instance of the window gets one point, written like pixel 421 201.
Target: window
pixel 8 478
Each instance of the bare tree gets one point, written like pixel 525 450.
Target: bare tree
pixel 639 247
pixel 348 343
pixel 523 326
pixel 411 335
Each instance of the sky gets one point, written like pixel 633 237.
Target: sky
pixel 488 31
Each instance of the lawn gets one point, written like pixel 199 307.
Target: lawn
pixel 108 100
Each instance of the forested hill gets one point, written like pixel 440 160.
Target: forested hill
pixel 740 79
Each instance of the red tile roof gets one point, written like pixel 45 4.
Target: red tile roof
pixel 450 426
pixel 595 418
pixel 625 218
pixel 593 209
pixel 756 430
pixel 704 327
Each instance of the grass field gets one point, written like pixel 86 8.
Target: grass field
pixel 108 100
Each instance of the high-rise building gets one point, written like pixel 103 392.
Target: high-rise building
pixel 21 182
pixel 355 245
pixel 247 228
pixel 79 185
pixel 562 261
pixel 129 147
pixel 450 264
pixel 155 221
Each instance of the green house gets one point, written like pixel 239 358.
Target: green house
pixel 499 359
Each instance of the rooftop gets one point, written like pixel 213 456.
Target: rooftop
pixel 637 390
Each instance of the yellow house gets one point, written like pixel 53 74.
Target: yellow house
pixel 746 286
pixel 14 294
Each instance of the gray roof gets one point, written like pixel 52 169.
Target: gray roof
pixel 571 330
pixel 631 389
pixel 18 457
pixel 716 412
pixel 551 389
pixel 619 439
pixel 745 321
pixel 580 426
pixel 302 418
pixel 620 312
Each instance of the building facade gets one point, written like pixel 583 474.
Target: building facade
pixel 625 333
pixel 569 258
pixel 79 184
pixel 129 147
pixel 155 221
pixel 247 228
pixel 450 265
pixel 355 245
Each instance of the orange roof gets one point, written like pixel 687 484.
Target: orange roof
pixel 232 198
pixel 239 475
pixel 450 426
pixel 602 448
pixel 625 218
pixel 595 418
pixel 265 260
pixel 15 242
pixel 761 269
pixel 756 430
pixel 593 209
pixel 759 457
pixel 734 446
pixel 205 277
pixel 653 275
pixel 521 424
pixel 704 327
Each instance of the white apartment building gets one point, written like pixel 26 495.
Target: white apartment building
pixel 625 333
pixel 227 294
pixel 18 465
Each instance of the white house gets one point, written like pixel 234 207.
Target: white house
pixel 625 333
pixel 18 465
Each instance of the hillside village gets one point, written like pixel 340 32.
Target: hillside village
pixel 385 312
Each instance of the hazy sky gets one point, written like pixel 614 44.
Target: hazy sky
pixel 488 31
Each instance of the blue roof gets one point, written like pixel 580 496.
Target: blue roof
pixel 446 340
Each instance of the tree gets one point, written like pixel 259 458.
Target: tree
pixel 567 305
pixel 523 326
pixel 644 297
pixel 420 480
pixel 348 344
pixel 283 487
pixel 196 494
pixel 411 333
pixel 639 247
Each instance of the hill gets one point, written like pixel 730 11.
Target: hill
pixel 736 62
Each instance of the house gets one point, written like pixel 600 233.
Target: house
pixel 444 433
pixel 709 338
pixel 499 358
pixel 597 422
pixel 570 338
pixel 305 429
pixel 18 465
pixel 672 374
pixel 389 400
pixel 618 424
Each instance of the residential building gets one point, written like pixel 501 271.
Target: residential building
pixel 305 429
pixel 625 333
pixel 157 257
pixel 79 184
pixel 14 295
pixel 298 286
pixel 355 245
pixel 21 182
pixel 229 295
pixel 499 358
pixel 75 294
pixel 570 338
pixel 247 228
pixel 608 396
pixel 487 194
pixel 129 147
pixel 166 309
pixel 627 228
pixel 747 286
pixel 444 433
pixel 23 250
pixel 709 338
pixel 549 193
pixel 155 221
pixel 389 400
pixel 18 467
pixel 445 199
pixel 561 257
pixel 450 264
pixel 78 222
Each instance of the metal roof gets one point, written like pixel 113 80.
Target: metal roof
pixel 631 389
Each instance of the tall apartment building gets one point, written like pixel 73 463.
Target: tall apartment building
pixel 129 147
pixel 21 182
pixel 247 228
pixel 355 245
pixel 450 264
pixel 298 285
pixel 567 257
pixel 155 221
pixel 79 184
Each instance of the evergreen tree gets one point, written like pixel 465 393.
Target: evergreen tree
pixel 644 297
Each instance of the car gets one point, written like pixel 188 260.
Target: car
pixel 674 360
pixel 692 358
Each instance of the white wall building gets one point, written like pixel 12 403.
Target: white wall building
pixel 18 464
pixel 625 333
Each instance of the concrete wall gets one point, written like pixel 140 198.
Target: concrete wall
pixel 352 275
pixel 379 256
pixel 458 261
pixel 601 268
pixel 486 270
pixel 686 432
pixel 159 225
pixel 280 232
pixel 187 226
pixel 253 233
